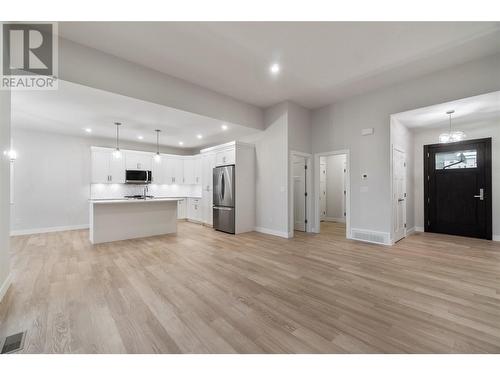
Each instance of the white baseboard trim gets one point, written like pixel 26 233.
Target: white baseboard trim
pixel 272 232
pixel 419 229
pixel 5 286
pixel 496 237
pixel 410 231
pixel 335 219
pixel 47 230
pixel 371 236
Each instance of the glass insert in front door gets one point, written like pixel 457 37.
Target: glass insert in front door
pixel 456 159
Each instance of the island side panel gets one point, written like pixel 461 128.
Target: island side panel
pixel 122 221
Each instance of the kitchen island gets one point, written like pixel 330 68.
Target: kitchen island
pixel 123 219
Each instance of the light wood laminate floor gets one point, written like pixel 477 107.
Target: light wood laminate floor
pixel 202 291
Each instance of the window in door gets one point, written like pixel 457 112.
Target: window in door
pixel 456 159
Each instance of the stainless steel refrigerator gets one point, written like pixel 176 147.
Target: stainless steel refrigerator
pixel 224 199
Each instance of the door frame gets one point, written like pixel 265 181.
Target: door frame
pixel 291 214
pixel 346 152
pixel 393 217
pixel 488 180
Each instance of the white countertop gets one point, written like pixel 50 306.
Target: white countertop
pixel 132 200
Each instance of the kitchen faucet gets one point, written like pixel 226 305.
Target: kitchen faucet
pixel 145 192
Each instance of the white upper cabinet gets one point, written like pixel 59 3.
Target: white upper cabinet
pixel 192 170
pixel 189 178
pixel 197 170
pixel 106 169
pixel 138 160
pixel 173 169
pixel 159 171
pixel 225 156
pixel 207 166
pixel 178 170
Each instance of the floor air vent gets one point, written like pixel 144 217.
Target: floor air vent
pixel 368 236
pixel 13 343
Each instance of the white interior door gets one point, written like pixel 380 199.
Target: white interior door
pixel 399 193
pixel 299 192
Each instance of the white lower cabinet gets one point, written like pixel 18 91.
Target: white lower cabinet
pixel 181 209
pixel 194 209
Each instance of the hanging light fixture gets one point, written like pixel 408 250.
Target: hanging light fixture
pixel 117 153
pixel 451 136
pixel 157 156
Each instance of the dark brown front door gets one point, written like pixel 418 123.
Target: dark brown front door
pixel 457 188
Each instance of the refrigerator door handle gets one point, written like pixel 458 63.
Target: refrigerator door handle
pixel 222 208
pixel 222 187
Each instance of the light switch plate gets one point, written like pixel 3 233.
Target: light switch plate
pixel 367 131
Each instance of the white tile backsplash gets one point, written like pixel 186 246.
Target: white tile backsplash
pixel 110 191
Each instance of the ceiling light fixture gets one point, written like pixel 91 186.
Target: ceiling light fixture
pixel 117 153
pixel 140 137
pixel 88 130
pixel 275 68
pixel 181 143
pixel 451 136
pixel 199 136
pixel 157 156
pixel 224 127
pixel 11 154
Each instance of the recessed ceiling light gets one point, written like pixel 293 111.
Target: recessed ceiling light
pixel 140 137
pixel 181 143
pixel 275 68
pixel 224 127
pixel 88 130
pixel 199 136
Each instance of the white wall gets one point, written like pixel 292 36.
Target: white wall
pixel 335 186
pixel 271 149
pixel 338 126
pixel 4 192
pixel 90 67
pixel 402 139
pixel 52 179
pixel 299 128
pixel 299 139
pixel 473 131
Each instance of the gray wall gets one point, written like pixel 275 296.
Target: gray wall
pixel 338 126
pixel 271 150
pixel 90 67
pixel 4 191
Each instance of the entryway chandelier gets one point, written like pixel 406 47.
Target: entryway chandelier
pixel 451 136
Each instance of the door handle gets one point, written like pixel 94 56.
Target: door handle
pixel 222 208
pixel 481 195
pixel 223 188
pixel 400 199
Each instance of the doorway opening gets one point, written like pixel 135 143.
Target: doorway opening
pixel 332 192
pixel 300 181
pixel 399 194
pixel 450 165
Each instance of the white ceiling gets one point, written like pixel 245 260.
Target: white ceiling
pixel 475 109
pixel 321 61
pixel 73 107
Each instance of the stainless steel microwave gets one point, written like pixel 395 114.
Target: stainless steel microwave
pixel 137 177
